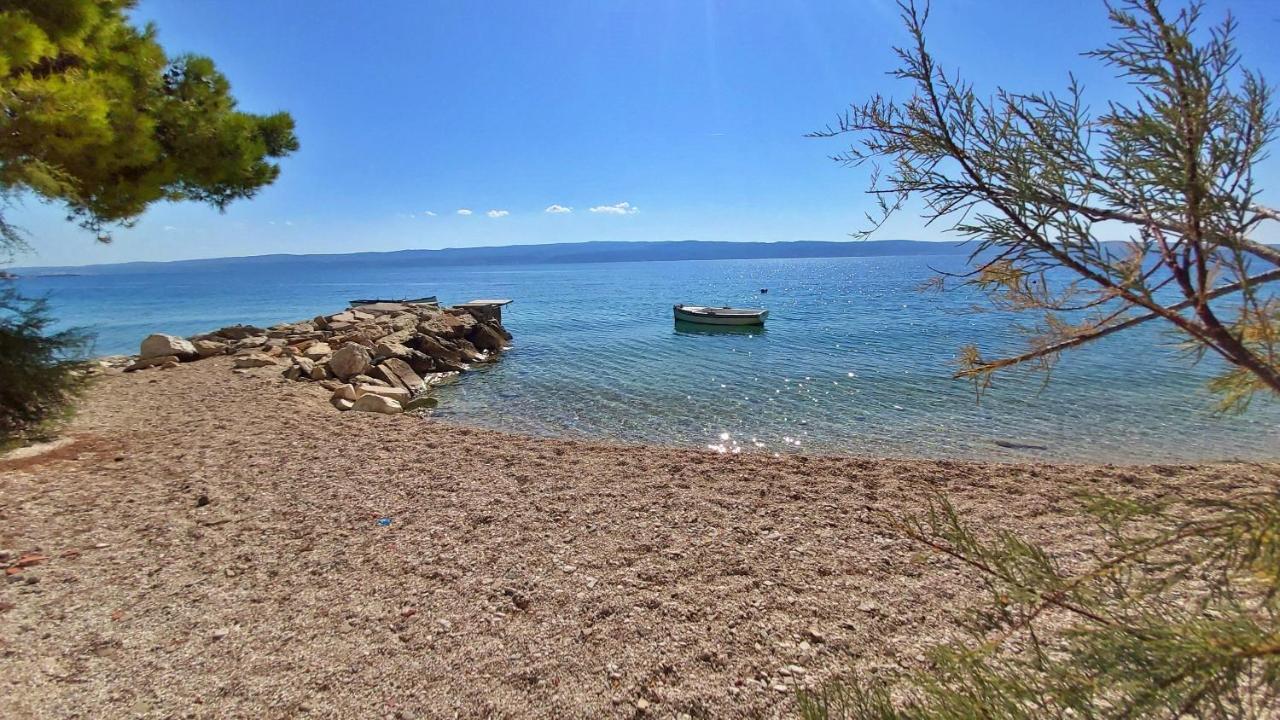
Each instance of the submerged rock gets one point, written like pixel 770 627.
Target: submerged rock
pixel 424 402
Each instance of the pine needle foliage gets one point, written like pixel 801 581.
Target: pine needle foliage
pixel 1097 223
pixel 96 117
pixel 1178 615
pixel 39 368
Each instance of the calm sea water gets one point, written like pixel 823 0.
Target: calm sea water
pixel 854 358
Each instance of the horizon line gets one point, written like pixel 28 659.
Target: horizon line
pixel 16 269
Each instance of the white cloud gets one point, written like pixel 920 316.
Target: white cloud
pixel 169 228
pixel 498 213
pixel 428 213
pixel 289 223
pixel 464 211
pixel 558 209
pixel 622 208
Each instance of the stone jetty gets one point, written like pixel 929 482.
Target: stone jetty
pixel 381 357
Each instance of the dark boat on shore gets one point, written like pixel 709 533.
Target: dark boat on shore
pixel 428 300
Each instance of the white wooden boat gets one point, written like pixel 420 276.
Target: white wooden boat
pixel 720 316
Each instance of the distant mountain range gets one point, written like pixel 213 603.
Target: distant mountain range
pixel 587 252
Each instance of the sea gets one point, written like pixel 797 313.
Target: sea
pixel 856 357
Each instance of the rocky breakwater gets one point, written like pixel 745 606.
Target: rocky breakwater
pixel 382 357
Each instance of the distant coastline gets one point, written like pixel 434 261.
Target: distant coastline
pixel 552 253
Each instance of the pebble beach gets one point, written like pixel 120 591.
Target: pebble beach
pixel 210 543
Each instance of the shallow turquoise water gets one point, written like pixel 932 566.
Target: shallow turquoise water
pixel 854 358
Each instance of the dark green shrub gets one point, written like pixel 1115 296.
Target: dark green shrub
pixel 40 371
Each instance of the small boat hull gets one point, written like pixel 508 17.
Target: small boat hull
pixel 719 316
pixel 688 328
pixel 408 301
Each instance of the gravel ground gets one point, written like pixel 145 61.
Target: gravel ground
pixel 214 549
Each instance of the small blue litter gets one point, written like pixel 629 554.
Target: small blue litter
pixel 384 521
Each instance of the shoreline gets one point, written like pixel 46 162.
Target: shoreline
pixel 212 546
pixel 848 455
pixel 118 359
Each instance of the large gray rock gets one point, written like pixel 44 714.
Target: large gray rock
pixel 400 395
pixel 253 360
pixel 317 351
pixel 306 365
pixel 209 348
pixel 377 404
pixel 161 345
pixel 421 362
pixel 469 351
pixel 387 374
pixel 391 350
pixel 239 332
pixel 404 321
pixel 463 318
pixel 343 397
pixel 437 350
pixel 350 360
pixel 447 326
pixel 487 338
pixel 345 392
pixel 403 373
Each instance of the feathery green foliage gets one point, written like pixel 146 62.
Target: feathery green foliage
pixel 39 370
pixel 95 116
pixel 1037 182
pixel 1178 615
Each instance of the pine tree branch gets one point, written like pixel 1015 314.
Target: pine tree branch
pixel 1266 277
pixel 1266 212
pixel 987 569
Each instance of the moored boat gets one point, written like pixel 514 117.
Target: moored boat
pixel 428 300
pixel 720 316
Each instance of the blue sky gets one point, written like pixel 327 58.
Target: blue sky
pixel 673 119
